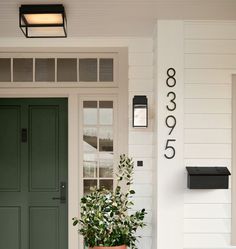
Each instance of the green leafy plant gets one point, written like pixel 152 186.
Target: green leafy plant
pixel 104 218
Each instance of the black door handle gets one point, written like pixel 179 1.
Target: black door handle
pixel 62 197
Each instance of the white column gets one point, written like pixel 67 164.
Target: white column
pixel 170 177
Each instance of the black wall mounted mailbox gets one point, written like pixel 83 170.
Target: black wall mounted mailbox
pixel 208 177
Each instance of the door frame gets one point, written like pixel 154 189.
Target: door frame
pixel 74 95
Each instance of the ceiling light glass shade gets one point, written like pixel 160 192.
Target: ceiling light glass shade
pixel 47 20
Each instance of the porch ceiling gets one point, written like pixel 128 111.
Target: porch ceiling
pixel 119 17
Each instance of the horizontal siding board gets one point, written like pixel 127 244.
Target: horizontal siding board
pixel 210 61
pixel 204 196
pixel 207 150
pixel 145 231
pixel 141 85
pixel 205 121
pixel 140 45
pixel 141 59
pixel 140 72
pixel 144 242
pixel 207 225
pixel 142 202
pixel 207 136
pixel 207 91
pixel 207 106
pixel 143 189
pixel 208 76
pixel 210 46
pixel 140 150
pixel 140 138
pixel 206 240
pixel 207 211
pixel 141 177
pixel 210 30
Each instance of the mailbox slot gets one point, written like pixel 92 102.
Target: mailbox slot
pixel 208 177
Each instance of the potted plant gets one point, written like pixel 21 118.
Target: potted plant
pixel 104 219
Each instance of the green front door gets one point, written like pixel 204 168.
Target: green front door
pixel 33 174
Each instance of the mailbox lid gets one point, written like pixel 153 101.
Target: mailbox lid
pixel 208 171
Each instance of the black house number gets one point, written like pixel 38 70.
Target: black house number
pixel 170 120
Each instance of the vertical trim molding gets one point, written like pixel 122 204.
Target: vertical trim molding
pixel 170 172
pixel 233 158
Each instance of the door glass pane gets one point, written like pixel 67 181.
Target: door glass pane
pixel 90 139
pixel 107 184
pixel 88 70
pixel 90 165
pixel 105 165
pixel 106 112
pixel 5 70
pixel 67 70
pixel 106 139
pixel 45 70
pixel 88 184
pixel 90 112
pixel 106 69
pixel 22 70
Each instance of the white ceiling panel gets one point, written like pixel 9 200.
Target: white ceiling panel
pixel 119 17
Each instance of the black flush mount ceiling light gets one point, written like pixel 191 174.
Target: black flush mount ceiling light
pixel 43 20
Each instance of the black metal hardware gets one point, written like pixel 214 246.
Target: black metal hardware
pixel 140 163
pixel 24 135
pixel 208 177
pixel 62 197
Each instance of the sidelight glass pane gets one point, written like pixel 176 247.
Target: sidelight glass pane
pixel 106 139
pixel 107 184
pixel 106 165
pixel 90 139
pixel 67 70
pixel 88 70
pixel 88 184
pixel 22 70
pixel 106 70
pixel 5 70
pixel 45 70
pixel 90 112
pixel 106 112
pixel 90 165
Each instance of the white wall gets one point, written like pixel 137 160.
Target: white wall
pixel 209 54
pixel 140 82
pixel 210 61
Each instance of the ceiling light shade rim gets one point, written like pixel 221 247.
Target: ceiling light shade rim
pixel 42 9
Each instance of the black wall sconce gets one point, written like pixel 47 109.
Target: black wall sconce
pixel 140 111
pixel 43 21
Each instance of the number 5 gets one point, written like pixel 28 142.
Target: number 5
pixel 171 148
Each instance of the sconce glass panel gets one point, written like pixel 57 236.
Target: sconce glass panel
pixel 140 111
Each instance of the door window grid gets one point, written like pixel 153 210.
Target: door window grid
pixel 50 69
pixel 98 144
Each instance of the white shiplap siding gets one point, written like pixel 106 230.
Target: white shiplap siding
pixel 141 140
pixel 210 61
